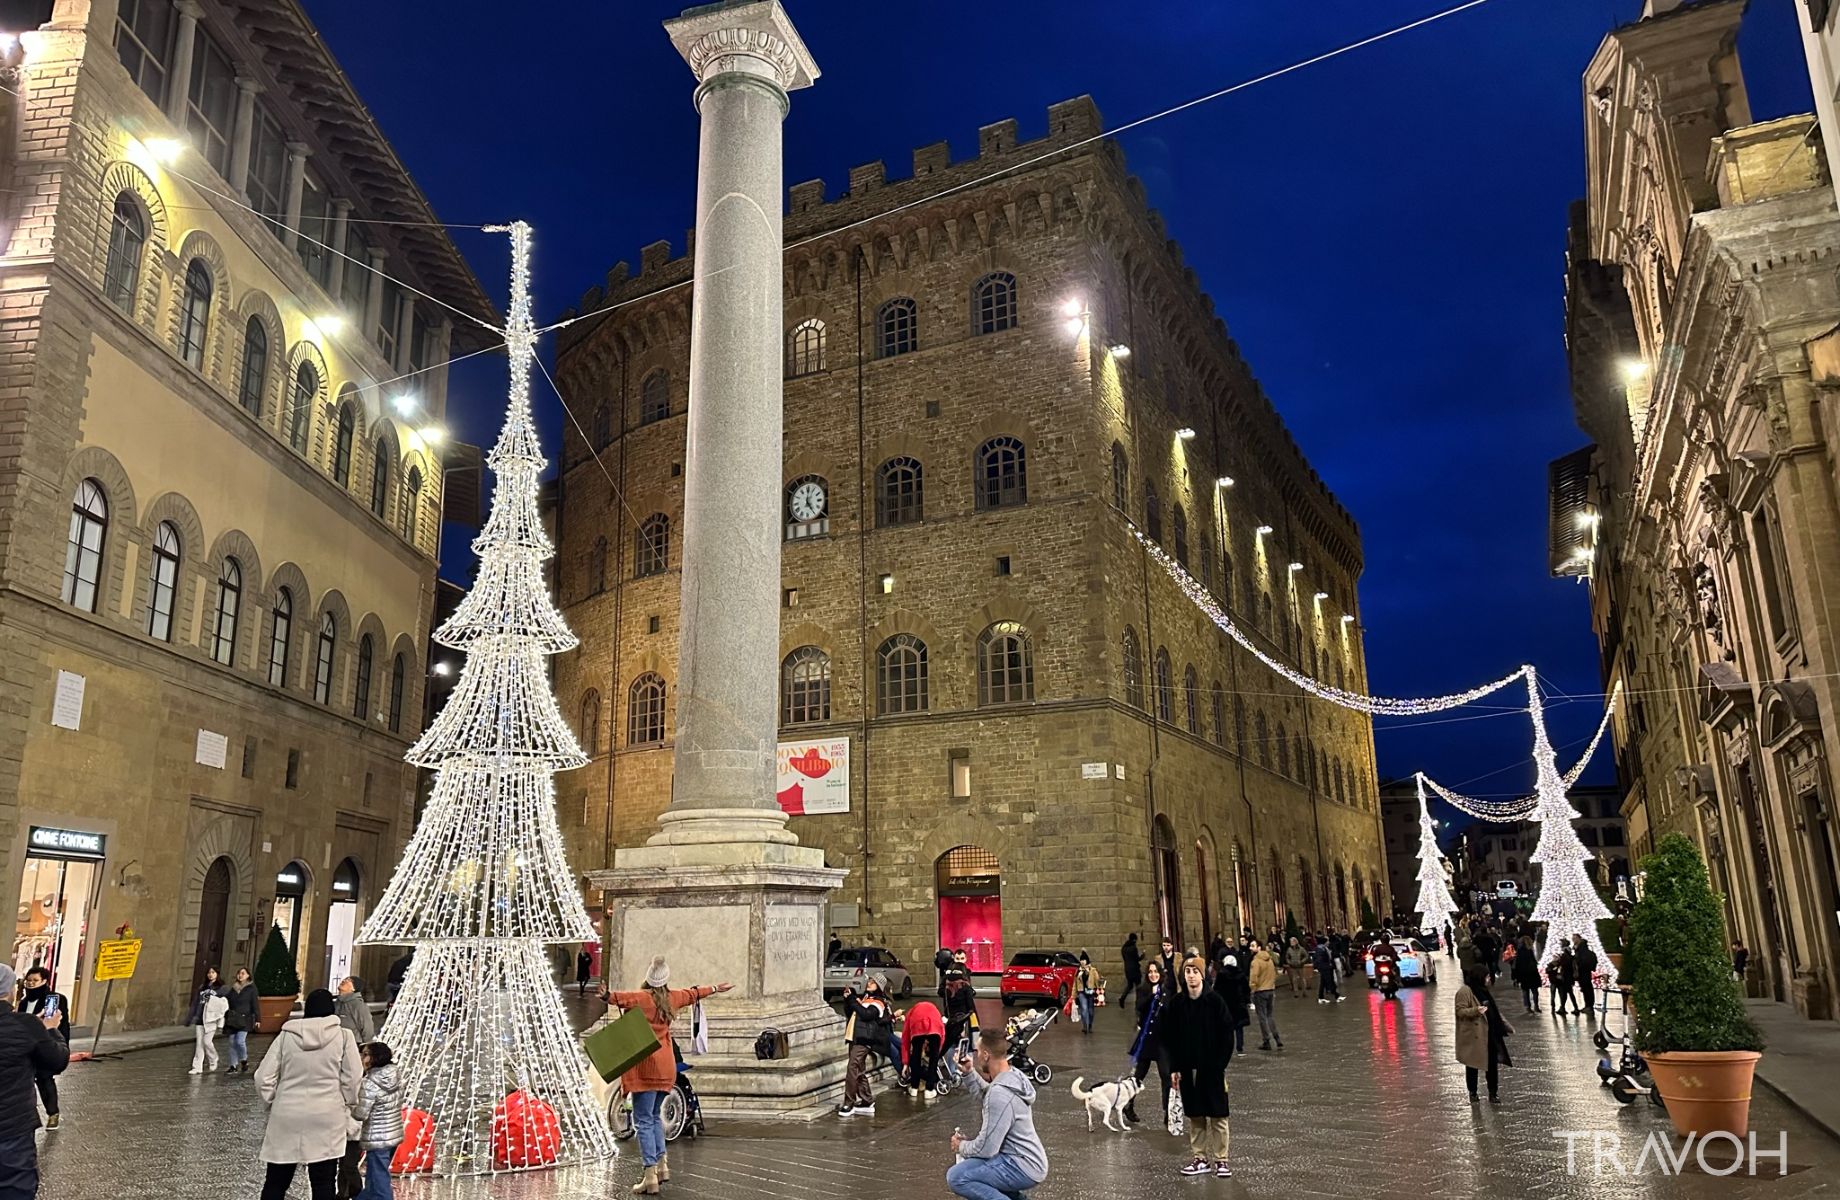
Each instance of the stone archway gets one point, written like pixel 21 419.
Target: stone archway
pixel 224 839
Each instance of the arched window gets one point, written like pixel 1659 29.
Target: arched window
pixel 399 674
pixel 900 675
pixel 361 698
pixel 993 303
pixel 1153 514
pixel 341 444
pixel 808 508
pixel 655 397
pixel 1191 700
pixel 255 367
pixel 645 711
pixel 1218 711
pixel 1207 562
pixel 805 686
pixel 322 664
pixel 597 568
pixel 1121 479
pixel 1261 735
pixel 1226 574
pixel 300 408
pixel 591 723
pixel 1284 751
pixel 127 238
pixel 1341 784
pixel 1002 473
pixel 603 426
pixel 1133 670
pixel 195 313
pixel 1165 687
pixel 412 506
pixel 897 328
pixel 1005 665
pixel 380 479
pixel 652 546
pixel 281 638
pixel 1178 521
pixel 229 608
pixel 1280 903
pixel 89 524
pixel 899 494
pixel 805 348
pixel 163 581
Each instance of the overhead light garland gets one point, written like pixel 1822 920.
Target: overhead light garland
pixel 1523 807
pixel 1434 897
pixel 479 1029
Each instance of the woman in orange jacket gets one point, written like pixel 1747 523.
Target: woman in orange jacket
pixel 656 1075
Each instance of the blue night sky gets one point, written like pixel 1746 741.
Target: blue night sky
pixel 1384 234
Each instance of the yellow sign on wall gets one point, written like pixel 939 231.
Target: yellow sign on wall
pixel 115 959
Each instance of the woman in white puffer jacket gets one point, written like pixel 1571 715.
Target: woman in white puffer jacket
pixel 309 1079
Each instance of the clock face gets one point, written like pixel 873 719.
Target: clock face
pixel 808 501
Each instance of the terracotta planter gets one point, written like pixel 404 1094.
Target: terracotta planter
pixel 274 1010
pixel 1706 1091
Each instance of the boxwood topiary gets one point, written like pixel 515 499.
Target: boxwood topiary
pixel 275 974
pixel 1676 959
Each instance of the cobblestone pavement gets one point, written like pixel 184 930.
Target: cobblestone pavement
pixel 1365 1100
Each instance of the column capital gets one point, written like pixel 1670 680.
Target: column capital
pixel 341 207
pixel 189 8
pixel 248 86
pixel 299 150
pixel 754 38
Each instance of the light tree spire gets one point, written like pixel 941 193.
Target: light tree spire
pixel 1568 903
pixel 1434 899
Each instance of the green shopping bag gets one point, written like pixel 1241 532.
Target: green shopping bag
pixel 619 1046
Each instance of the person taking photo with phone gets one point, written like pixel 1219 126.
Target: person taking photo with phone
pixel 1006 1158
pixel 41 1001
pixel 30 1049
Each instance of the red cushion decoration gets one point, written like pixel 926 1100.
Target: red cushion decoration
pixel 525 1132
pixel 416 1153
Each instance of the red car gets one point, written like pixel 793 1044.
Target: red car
pixel 1039 977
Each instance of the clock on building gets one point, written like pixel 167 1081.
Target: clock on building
pixel 807 502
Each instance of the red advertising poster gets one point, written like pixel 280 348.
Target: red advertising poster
pixel 814 777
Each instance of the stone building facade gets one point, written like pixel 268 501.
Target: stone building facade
pixel 218 528
pixel 1703 306
pixel 999 373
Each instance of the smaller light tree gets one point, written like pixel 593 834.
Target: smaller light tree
pixel 1434 904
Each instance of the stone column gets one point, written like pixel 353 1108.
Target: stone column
pixel 296 184
pixel 335 275
pixel 179 82
pixel 405 333
pixel 724 890
pixel 373 296
pixel 242 134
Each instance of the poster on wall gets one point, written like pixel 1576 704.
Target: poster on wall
pixel 814 777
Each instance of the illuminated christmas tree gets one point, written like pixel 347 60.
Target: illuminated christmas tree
pixel 1569 904
pixel 479 1032
pixel 1434 901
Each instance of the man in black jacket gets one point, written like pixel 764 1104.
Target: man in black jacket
pixel 28 1049
pixel 1133 967
pixel 39 997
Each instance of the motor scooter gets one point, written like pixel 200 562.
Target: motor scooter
pixel 1386 979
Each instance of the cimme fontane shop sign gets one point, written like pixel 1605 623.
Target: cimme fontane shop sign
pixel 75 842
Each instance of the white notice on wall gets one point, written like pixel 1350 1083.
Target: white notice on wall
pixel 1118 770
pixel 67 704
pixel 211 748
pixel 1093 771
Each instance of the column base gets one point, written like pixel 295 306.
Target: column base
pixel 746 913
pixel 720 826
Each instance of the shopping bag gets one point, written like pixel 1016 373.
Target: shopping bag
pixel 699 1031
pixel 621 1045
pixel 1177 1126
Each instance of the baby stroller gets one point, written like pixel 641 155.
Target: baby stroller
pixel 961 1040
pixel 1023 1030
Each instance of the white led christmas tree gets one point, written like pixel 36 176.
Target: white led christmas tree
pixel 1568 903
pixel 1434 900
pixel 479 1032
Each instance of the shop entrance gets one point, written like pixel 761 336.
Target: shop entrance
pixel 58 893
pixel 291 902
pixel 341 923
pixel 213 915
pixel 969 882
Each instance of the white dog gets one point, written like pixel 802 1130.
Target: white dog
pixel 1108 1100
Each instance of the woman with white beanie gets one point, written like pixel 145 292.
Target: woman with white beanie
pixel 648 1082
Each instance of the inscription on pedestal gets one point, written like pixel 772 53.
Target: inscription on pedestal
pixel 791 962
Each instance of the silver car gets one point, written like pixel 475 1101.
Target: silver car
pixel 849 970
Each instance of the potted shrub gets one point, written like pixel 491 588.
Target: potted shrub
pixel 1701 1047
pixel 277 983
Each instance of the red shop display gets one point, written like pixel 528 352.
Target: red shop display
pixel 973 924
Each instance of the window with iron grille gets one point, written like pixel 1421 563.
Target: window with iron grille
pixel 645 710
pixel 361 700
pixel 127 238
pixel 805 686
pixel 1191 700
pixel 163 582
pixel 993 303
pixel 229 609
pixel 1133 669
pixel 280 638
pixel 1121 479
pixel 143 42
pixel 1165 687
pixel 89 523
pixel 655 397
pixel 1006 665
pixel 899 498
pixel 195 313
pixel 901 676
pixel 652 546
pixel 805 348
pixel 897 328
pixel 1002 473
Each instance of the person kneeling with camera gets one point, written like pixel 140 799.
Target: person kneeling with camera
pixel 1006 1157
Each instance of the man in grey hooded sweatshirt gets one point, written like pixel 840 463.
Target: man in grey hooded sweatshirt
pixel 1006 1158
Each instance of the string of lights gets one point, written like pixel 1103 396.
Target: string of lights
pixel 1520 808
pixel 479 1027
